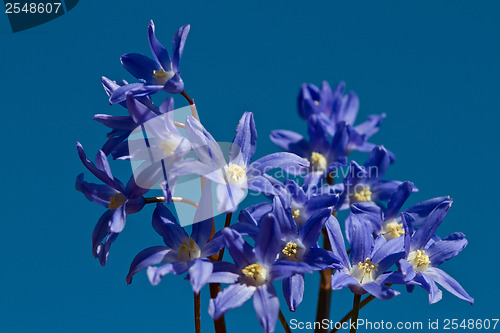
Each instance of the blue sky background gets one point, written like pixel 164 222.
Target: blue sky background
pixel 432 66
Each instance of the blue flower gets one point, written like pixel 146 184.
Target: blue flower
pixel 162 73
pixel 120 201
pixel 140 111
pixel 325 151
pixel 181 253
pixel 252 273
pixel 338 108
pixel 240 174
pixel 425 252
pixel 365 184
pixel 367 269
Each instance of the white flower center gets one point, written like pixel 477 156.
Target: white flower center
pixel 365 271
pixel 162 77
pixel 419 260
pixel 255 274
pixel 318 162
pixel 236 174
pixel 392 229
pixel 116 201
pixel 362 194
pixel 168 147
pixel 188 250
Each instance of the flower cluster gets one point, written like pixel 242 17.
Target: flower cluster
pixel 294 231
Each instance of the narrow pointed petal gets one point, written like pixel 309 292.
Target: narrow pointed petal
pixel 447 248
pixel 151 256
pixel 398 199
pixel 231 297
pixel 293 291
pixel 267 244
pixel 309 232
pixel 290 163
pixel 341 280
pixel 290 141
pixel 380 291
pixel 199 273
pixel 117 222
pixel 159 52
pixel 337 241
pixel 166 225
pixel 267 306
pixel 245 140
pixel 428 228
pixel 140 66
pixel 448 283
pixel 179 41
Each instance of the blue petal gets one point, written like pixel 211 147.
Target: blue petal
pixel 118 219
pixel 398 199
pixel 310 231
pixel 318 136
pixel 368 213
pixel 103 175
pixel 231 297
pixel 100 231
pixel 371 125
pixel 445 249
pixel 380 291
pixel 429 226
pixel 120 94
pixel 268 242
pixel 116 122
pixel 224 272
pixel 389 253
pixel 428 284
pixel 341 280
pixel 267 307
pixel 349 109
pixel 140 66
pixel 321 259
pixel 293 291
pixel 174 85
pixel 245 140
pixel 179 41
pixel 151 256
pixel 309 96
pixel 241 251
pixel 290 141
pixel 360 239
pixel 448 283
pixel 155 274
pixel 377 163
pixel 340 140
pixel 199 273
pixel 167 227
pixel 337 241
pixel 284 217
pixel 284 269
pixel 138 111
pixel 420 210
pixel 99 194
pixel 384 189
pixel 290 163
pixel 159 52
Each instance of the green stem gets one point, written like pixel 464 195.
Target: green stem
pixel 284 323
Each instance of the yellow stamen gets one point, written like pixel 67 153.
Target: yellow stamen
pixel 318 162
pixel 168 147
pixel 235 172
pixel 295 213
pixel 188 250
pixel 161 76
pixel 394 230
pixel 316 102
pixel 367 266
pixel 255 273
pixel 363 194
pixel 364 272
pixel 419 260
pixel 116 201
pixel 290 249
